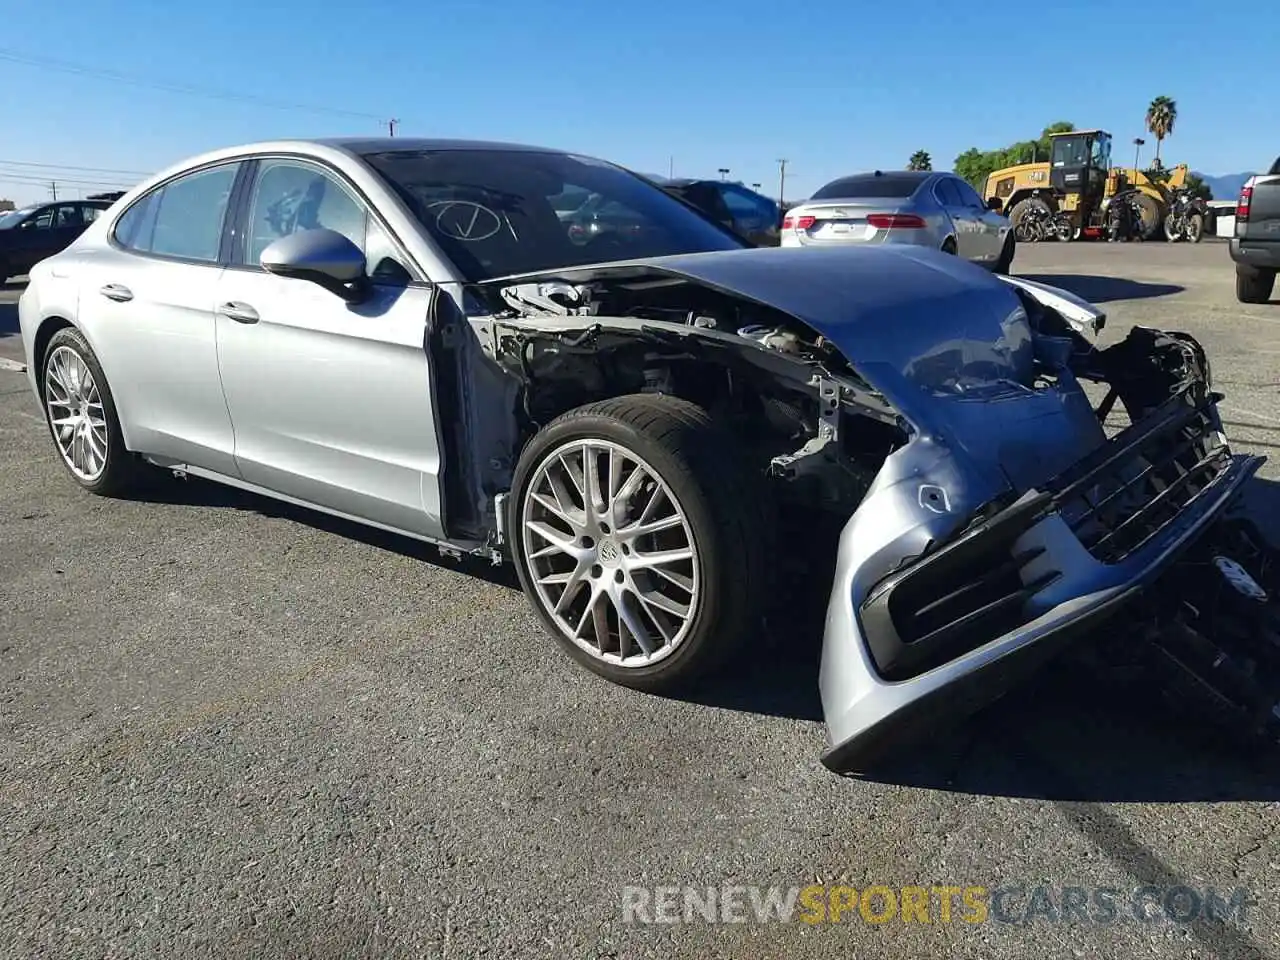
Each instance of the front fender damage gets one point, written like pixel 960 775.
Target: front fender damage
pixel 991 513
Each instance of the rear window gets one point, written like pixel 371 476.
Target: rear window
pixel 870 185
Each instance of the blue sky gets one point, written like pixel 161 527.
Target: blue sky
pixel 833 86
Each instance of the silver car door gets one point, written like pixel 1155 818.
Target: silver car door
pixel 330 402
pixel 146 305
pixel 990 227
pixel 962 220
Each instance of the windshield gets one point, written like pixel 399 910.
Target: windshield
pixel 15 217
pixel 871 185
pixel 496 213
pixel 1070 152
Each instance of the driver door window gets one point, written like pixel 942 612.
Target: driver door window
pixel 289 196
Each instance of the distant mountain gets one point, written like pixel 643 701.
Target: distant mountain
pixel 1225 187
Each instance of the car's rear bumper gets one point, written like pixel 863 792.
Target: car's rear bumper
pixel 1256 253
pixel 877 690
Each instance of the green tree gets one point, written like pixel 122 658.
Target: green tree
pixel 976 165
pixel 1161 116
pixel 920 160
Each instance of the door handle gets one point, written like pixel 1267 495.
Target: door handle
pixel 117 292
pixel 239 312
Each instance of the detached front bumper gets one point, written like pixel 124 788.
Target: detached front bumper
pixel 950 631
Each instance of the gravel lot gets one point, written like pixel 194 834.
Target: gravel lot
pixel 230 728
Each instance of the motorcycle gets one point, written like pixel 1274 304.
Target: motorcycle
pixel 1034 224
pixel 1187 216
pixel 1061 227
pixel 1124 217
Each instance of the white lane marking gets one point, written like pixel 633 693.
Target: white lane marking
pixel 14 365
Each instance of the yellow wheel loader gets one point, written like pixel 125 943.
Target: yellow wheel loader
pixel 1079 180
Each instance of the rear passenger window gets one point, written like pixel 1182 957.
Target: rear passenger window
pixel 182 219
pixel 947 194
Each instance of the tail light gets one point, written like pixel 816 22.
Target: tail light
pixel 1242 205
pixel 797 223
pixel 903 221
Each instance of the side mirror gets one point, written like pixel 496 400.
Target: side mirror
pixel 324 257
pixel 996 205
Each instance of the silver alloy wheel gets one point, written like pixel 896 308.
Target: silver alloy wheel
pixel 611 554
pixel 76 414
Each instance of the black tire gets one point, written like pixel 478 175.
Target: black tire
pixel 122 473
pixel 1254 284
pixel 1195 227
pixel 1169 233
pixel 1152 220
pixel 728 525
pixel 949 245
pixel 1005 261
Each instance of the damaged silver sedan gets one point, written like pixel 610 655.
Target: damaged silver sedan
pixel 650 417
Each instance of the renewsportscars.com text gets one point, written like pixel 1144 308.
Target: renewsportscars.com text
pixel 1011 903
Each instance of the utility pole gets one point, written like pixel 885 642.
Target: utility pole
pixel 53 186
pixel 1137 149
pixel 391 127
pixel 671 167
pixel 782 180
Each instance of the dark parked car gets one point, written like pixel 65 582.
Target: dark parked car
pixel 29 235
pixel 755 218
pixel 1256 246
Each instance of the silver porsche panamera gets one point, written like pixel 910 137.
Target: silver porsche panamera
pixel 404 333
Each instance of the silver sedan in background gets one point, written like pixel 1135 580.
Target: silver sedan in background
pixel 922 208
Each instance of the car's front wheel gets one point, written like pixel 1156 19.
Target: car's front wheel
pixel 82 418
pixel 640 538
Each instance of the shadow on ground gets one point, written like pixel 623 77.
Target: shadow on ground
pixel 1105 289
pixel 203 493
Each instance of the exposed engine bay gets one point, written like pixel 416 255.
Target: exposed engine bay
pixel 787 391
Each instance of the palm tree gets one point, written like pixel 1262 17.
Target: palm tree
pixel 920 160
pixel 1161 116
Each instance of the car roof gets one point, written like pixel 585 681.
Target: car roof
pixel 363 145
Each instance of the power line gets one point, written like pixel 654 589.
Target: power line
pixel 69 166
pixel 5 177
pixel 63 66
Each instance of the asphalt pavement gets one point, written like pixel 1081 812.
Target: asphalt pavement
pixel 230 728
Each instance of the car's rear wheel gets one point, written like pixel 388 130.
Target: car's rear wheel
pixel 1254 284
pixel 638 535
pixel 1005 260
pixel 82 418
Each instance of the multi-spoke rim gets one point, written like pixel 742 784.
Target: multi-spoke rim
pixel 611 553
pixel 76 415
